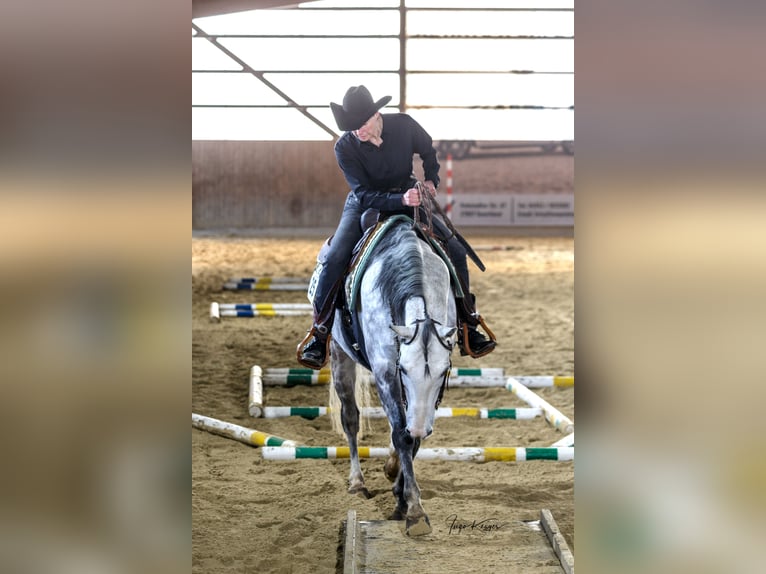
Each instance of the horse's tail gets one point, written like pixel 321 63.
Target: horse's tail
pixel 362 383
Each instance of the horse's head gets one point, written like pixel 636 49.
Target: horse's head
pixel 425 348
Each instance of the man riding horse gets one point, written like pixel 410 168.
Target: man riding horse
pixel 375 155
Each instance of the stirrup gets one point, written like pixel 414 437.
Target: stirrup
pixel 299 350
pixel 467 344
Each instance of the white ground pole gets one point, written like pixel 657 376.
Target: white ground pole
pixel 477 382
pixel 566 441
pixel 461 454
pixel 267 284
pixel 500 380
pixel 264 306
pixel 255 397
pixel 263 312
pixel 379 413
pixel 544 381
pixel 242 434
pixel 218 310
pixel 552 415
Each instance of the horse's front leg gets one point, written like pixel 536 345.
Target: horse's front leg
pixel 406 488
pixel 344 379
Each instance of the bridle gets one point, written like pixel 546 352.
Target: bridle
pixel 445 381
pixel 428 204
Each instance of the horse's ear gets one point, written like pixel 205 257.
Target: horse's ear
pixel 403 332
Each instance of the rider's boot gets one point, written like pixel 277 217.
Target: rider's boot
pixel 478 345
pixel 471 341
pixel 313 350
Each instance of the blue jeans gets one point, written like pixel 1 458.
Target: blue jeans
pixel 349 231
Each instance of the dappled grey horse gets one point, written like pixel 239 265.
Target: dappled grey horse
pixel 407 317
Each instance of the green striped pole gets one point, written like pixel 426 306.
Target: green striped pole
pixel 524 413
pixel 459 377
pixel 455 372
pixel 305 379
pixel 242 434
pixel 294 371
pixel 458 454
pixel 325 452
pixel 487 454
pixel 322 377
pixel 515 413
pixel 305 412
pixel 485 372
pixel 501 381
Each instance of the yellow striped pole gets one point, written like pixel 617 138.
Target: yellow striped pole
pixel 239 433
pixel 267 284
pixel 378 413
pixel 306 379
pixel 457 454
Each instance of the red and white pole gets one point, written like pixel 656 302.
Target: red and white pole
pixel 448 208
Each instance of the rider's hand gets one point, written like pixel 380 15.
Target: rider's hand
pixel 430 187
pixel 411 197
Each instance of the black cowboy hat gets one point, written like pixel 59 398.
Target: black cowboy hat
pixel 357 108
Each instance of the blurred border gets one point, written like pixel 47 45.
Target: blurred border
pixel 670 276
pixel 95 342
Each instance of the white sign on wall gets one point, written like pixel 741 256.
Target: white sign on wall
pixel 498 209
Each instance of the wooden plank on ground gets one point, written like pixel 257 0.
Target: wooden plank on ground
pixel 558 542
pixel 455 545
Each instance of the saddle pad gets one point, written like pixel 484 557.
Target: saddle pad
pixel 356 271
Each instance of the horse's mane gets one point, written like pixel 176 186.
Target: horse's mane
pixel 401 277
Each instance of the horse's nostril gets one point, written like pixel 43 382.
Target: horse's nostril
pixel 417 434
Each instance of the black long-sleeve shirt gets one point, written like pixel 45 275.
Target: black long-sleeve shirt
pixel 378 176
